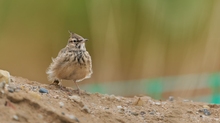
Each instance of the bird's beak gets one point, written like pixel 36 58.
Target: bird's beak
pixel 84 40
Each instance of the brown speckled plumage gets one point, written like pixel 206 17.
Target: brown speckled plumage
pixel 72 63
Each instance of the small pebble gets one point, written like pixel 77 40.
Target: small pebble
pixel 206 112
pixel 11 89
pixel 5 76
pixel 75 98
pixel 171 98
pixel 34 88
pixel 151 102
pixel 15 117
pixel 119 107
pixel 43 90
pixel 61 104
pixel 157 103
pixel 134 113
pixel 142 113
pixel 63 113
pixel 112 97
pixel 118 98
pixel 152 113
pixel 86 109
pixel 73 118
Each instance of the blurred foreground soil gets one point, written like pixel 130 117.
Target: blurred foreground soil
pixel 21 101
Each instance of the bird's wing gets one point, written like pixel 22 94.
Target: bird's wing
pixel 62 51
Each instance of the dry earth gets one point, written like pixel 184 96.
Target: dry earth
pixel 21 101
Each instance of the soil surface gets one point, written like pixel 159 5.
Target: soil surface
pixel 21 101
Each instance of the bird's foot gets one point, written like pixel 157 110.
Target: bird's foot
pixel 78 91
pixel 56 82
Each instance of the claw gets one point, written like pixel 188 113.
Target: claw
pixel 56 82
pixel 79 92
pixel 78 89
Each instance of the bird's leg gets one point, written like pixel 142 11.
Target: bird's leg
pixel 79 90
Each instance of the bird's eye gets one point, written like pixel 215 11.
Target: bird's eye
pixel 74 40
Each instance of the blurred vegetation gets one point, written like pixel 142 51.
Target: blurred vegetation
pixel 128 39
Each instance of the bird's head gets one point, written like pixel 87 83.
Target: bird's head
pixel 76 41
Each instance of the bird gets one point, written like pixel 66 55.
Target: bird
pixel 73 62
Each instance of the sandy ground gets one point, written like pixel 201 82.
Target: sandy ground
pixel 21 101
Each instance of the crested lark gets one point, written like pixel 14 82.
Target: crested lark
pixel 72 63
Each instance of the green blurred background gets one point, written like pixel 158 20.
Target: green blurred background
pixel 130 41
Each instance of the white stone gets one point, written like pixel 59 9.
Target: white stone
pixel 157 103
pixel 61 104
pixel 73 118
pixel 86 109
pixel 75 98
pixel 119 107
pixel 15 117
pixel 4 76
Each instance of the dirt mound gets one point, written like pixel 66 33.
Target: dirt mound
pixel 32 102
